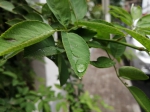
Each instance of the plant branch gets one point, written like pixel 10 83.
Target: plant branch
pixel 123 43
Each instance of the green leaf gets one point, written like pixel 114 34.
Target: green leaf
pixel 121 14
pixel 29 107
pixel 40 106
pixel 117 50
pixel 136 12
pixel 132 73
pixel 140 97
pixel 144 22
pixel 44 48
pixel 86 34
pixel 61 10
pixel 11 74
pixel 10 55
pixel 33 16
pixel 46 12
pixel 103 62
pixel 63 70
pixel 94 44
pixel 123 19
pixel 77 52
pixel 13 21
pixel 22 35
pixel 7 5
pixel 25 90
pixel 79 8
pixel 100 27
pixel 46 107
pixel 140 38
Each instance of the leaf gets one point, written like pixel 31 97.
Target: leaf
pixel 63 70
pixel 140 97
pixel 46 107
pixel 77 52
pixel 94 44
pixel 33 16
pixel 79 8
pixel 103 62
pixel 40 106
pixel 144 22
pixel 22 35
pixel 136 12
pixel 46 12
pixel 29 107
pixel 44 48
pixel 61 10
pixel 100 27
pixel 86 34
pixel 117 50
pixel 7 5
pixel 13 21
pixel 11 74
pixel 123 19
pixel 140 38
pixel 121 14
pixel 132 73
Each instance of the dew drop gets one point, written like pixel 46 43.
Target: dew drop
pixel 81 68
pixel 80 78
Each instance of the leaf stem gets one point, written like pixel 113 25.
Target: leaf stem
pixel 116 71
pixel 125 44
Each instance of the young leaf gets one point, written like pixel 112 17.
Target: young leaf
pixel 22 35
pixel 100 27
pixel 117 49
pixel 122 14
pixel 7 5
pixel 131 73
pixel 140 97
pixel 103 62
pixel 63 71
pixel 79 8
pixel 136 12
pixel 77 52
pixel 61 10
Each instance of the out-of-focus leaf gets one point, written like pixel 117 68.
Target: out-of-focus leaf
pixel 132 73
pixel 136 12
pixel 7 5
pixel 103 62
pixel 140 97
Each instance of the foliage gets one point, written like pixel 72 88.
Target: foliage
pixel 66 19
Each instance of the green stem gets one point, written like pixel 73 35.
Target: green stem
pixel 123 43
pixel 117 72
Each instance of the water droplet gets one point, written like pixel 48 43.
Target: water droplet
pixel 80 78
pixel 81 68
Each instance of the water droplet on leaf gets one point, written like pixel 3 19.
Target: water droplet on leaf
pixel 80 78
pixel 81 68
